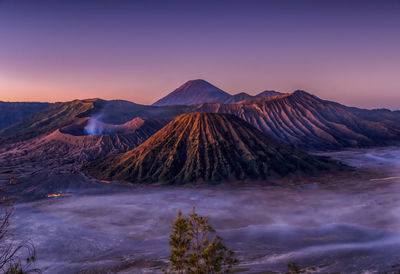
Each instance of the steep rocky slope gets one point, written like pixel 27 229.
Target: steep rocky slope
pixel 206 147
pixel 308 122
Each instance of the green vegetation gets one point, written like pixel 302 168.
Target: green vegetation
pixel 293 268
pixel 192 251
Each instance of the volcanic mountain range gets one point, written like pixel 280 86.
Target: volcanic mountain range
pixel 206 147
pixel 81 131
pixel 297 118
pixel 200 91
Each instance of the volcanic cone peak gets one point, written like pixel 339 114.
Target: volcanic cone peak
pixel 206 147
pixel 193 92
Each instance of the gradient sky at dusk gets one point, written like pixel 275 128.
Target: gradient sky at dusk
pixel 347 51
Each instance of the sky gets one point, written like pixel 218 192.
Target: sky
pixel 346 51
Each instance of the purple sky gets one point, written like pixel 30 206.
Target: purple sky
pixel 59 50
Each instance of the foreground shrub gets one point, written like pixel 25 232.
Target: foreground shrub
pixel 192 251
pixel 15 257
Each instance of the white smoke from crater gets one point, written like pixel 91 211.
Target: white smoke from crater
pixel 94 126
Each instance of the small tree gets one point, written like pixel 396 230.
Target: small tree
pixel 10 251
pixel 192 251
pixel 293 268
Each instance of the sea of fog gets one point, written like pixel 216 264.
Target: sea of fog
pixel 352 227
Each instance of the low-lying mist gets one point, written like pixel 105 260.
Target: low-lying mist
pixel 345 227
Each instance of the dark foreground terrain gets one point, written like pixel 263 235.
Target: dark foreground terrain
pixel 349 225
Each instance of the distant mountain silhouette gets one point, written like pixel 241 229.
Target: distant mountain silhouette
pixel 206 147
pixel 268 93
pixel 236 98
pixel 12 112
pixel 201 91
pixel 193 92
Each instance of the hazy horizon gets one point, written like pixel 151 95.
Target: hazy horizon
pixel 344 51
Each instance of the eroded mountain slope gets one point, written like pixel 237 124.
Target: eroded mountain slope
pixel 308 122
pixel 206 147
